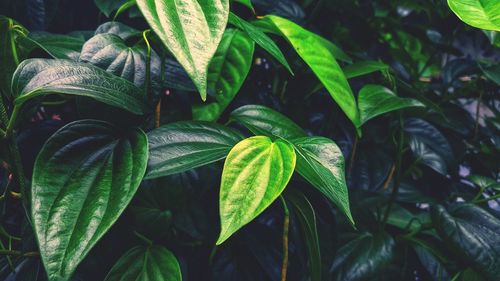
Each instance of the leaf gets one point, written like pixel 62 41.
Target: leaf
pixel 152 263
pixel 260 38
pixel 430 261
pixel 255 173
pixel 492 72
pixel 9 53
pixel 317 53
pixel 35 77
pixel 364 257
pixel 484 14
pixel 177 78
pixel 484 182
pixel 471 232
pixel 493 37
pixel 429 145
pixel 191 30
pixel 262 120
pixel 227 72
pixel 57 46
pixel 363 67
pixel 109 6
pixel 247 3
pixel 307 219
pixel 84 177
pixel 321 163
pixel 375 100
pixel 117 28
pixel 183 146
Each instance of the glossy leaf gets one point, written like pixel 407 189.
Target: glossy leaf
pixel 95 167
pixel 262 120
pixel 484 14
pixel 363 67
pixel 152 263
pixel 375 100
pixel 255 173
pixel 364 257
pixel 317 53
pixel 191 30
pixel 227 72
pixel 183 146
pixel 321 163
pixel 35 77
pixel 473 233
pixel 264 41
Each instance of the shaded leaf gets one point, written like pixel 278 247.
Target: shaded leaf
pixel 363 67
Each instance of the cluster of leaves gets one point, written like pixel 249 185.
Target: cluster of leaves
pixel 163 144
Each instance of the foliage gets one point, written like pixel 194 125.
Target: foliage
pixel 333 140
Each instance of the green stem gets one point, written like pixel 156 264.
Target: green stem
pixel 487 199
pixel 19 253
pixel 12 120
pixel 2 133
pixel 14 49
pixel 144 238
pixel 147 82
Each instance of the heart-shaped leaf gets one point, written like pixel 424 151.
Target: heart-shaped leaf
pixel 35 77
pixel 321 163
pixel 191 30
pixel 473 233
pixel 375 100
pixel 152 263
pixel 183 146
pixel 484 14
pixel 227 72
pixel 317 53
pixel 96 168
pixel 262 120
pixel 255 173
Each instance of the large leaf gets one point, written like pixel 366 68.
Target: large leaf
pixel 255 173
pixel 152 263
pixel 262 120
pixel 375 100
pixel 317 53
pixel 364 257
pixel 191 30
pixel 484 14
pixel 84 177
pixel 473 233
pixel 227 72
pixel 182 146
pixel 35 77
pixel 321 163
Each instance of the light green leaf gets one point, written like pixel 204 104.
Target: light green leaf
pixel 321 163
pixel 227 72
pixel 484 14
pixel 152 263
pixel 255 173
pixel 35 77
pixel 262 120
pixel 261 39
pixel 191 30
pixel 84 177
pixel 317 53
pixel 363 67
pixel 375 100
pixel 182 146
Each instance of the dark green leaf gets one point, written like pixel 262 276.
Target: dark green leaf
pixel 191 30
pixel 492 72
pixel 484 14
pixel 117 28
pixel 84 177
pixel 431 262
pixel 9 53
pixel 57 46
pixel 182 146
pixel 321 163
pixel 255 173
pixel 363 67
pixel 35 77
pixel 484 182
pixel 152 263
pixel 262 120
pixel 227 72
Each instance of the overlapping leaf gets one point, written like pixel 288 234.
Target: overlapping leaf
pixel 484 14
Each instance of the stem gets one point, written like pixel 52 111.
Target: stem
pixel 12 121
pixel 13 46
pixel 147 82
pixel 2 133
pixel 286 224
pixel 397 178
pixel 143 238
pixel 353 154
pixel 19 253
pixel 487 199
pixel 478 112
pixel 158 114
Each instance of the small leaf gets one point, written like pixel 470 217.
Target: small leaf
pixel 84 178
pixel 153 263
pixel 473 233
pixel 255 173
pixel 183 146
pixel 363 67
pixel 321 163
pixel 485 182
pixel 35 77
pixel 484 14
pixel 262 120
pixel 227 72
pixel 375 100
pixel 191 30
pixel 317 53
